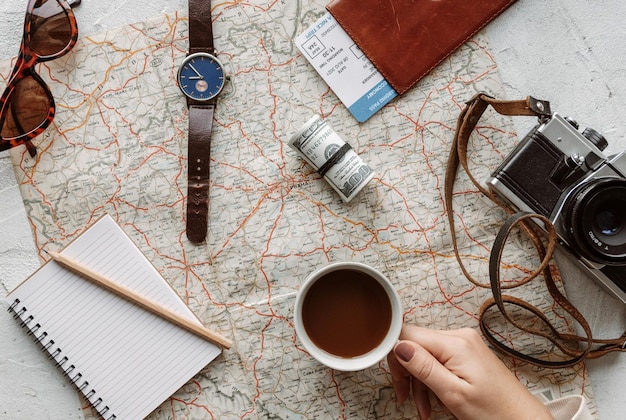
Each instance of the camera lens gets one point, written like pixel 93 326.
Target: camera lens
pixel 609 222
pixel 596 213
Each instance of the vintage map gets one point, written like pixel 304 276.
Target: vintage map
pixel 118 145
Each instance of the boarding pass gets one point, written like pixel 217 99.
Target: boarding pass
pixel 344 67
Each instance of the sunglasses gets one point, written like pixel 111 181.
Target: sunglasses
pixel 27 106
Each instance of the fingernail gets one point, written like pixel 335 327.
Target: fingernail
pixel 404 351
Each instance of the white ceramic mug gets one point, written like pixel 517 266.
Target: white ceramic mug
pixel 360 361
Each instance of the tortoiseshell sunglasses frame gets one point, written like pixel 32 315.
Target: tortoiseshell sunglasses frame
pixel 25 67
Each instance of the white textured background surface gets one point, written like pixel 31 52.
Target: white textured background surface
pixel 568 52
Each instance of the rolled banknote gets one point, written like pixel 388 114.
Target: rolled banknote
pixel 320 146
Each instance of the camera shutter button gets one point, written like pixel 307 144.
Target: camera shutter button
pixel 572 122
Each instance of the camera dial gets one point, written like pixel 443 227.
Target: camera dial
pixel 596 217
pixel 595 138
pixel 590 134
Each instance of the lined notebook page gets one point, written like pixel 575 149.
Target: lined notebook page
pixel 124 359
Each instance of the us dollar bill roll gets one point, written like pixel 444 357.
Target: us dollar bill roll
pixel 321 147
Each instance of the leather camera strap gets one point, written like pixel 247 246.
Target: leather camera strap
pixel 573 348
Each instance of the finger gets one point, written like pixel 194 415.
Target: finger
pixel 425 367
pixel 421 397
pixel 442 344
pixel 426 337
pixel 404 383
pixel 400 378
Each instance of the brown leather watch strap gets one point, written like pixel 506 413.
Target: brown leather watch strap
pixel 200 124
pixel 200 27
pixel 573 348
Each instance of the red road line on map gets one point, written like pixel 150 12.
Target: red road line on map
pixel 242 4
pixel 191 403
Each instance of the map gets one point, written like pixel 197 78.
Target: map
pixel 118 145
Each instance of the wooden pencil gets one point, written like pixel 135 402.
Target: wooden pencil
pixel 139 300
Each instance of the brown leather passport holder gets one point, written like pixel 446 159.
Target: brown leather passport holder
pixel 406 39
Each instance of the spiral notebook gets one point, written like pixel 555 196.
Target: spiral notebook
pixel 124 359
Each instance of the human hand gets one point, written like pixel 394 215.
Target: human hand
pixel 464 374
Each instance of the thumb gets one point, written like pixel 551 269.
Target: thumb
pixel 425 367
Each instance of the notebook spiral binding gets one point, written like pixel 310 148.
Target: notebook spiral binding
pixel 62 361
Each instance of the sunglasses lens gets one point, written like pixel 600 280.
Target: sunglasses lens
pixel 51 28
pixel 28 107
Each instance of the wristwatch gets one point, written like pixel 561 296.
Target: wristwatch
pixel 200 77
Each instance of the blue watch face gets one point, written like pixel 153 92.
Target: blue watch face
pixel 201 76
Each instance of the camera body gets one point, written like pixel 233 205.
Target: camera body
pixel 562 173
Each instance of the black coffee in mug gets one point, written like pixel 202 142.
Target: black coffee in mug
pixel 346 313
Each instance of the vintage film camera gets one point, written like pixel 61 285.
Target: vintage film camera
pixel 561 173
